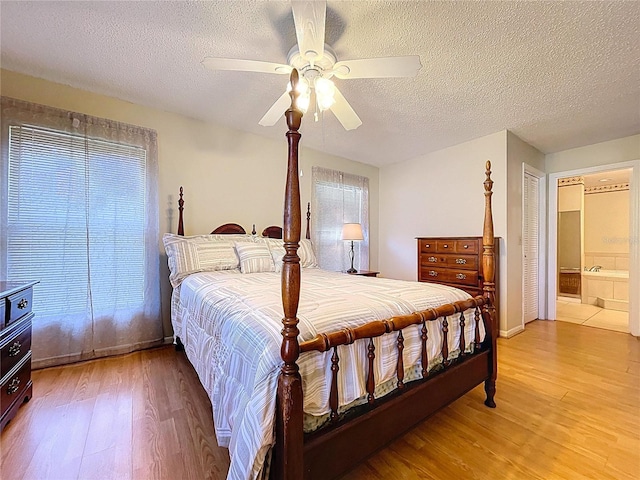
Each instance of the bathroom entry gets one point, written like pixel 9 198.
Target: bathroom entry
pixel 593 249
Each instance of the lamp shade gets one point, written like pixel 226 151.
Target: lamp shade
pixel 352 231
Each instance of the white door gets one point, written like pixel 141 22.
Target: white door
pixel 530 229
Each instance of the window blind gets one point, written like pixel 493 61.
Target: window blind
pixel 76 212
pixel 339 198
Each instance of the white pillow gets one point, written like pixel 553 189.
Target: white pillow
pixel 254 258
pixel 305 252
pixel 277 254
pixel 200 253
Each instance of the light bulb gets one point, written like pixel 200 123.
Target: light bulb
pixel 325 90
pixel 304 94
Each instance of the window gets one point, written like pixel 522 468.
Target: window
pixel 77 217
pixel 339 198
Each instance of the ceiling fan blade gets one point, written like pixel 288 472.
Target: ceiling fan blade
pixel 309 17
pixel 344 113
pixel 214 63
pixel 276 111
pixel 404 66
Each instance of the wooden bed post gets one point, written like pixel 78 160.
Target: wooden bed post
pixel 488 272
pixel 288 455
pixel 180 217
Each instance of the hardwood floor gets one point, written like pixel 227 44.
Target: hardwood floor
pixel 568 408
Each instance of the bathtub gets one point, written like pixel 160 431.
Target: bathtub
pixel 606 288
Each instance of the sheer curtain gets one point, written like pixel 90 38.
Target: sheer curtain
pixel 79 213
pixel 339 198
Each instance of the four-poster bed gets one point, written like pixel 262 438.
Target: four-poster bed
pixel 436 349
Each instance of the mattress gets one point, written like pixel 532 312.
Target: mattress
pixel 230 325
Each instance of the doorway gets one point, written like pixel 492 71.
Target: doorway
pixel 607 251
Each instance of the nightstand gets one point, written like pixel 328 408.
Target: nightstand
pixel 365 273
pixel 15 347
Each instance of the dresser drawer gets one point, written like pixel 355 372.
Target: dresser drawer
pixel 427 246
pixel 447 275
pixel 15 384
pixel 19 304
pixel 445 246
pixel 467 246
pixel 466 262
pixel 15 347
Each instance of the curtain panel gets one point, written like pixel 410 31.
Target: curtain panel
pixel 79 214
pixel 339 198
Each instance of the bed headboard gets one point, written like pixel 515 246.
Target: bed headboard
pixel 229 228
pixel 272 231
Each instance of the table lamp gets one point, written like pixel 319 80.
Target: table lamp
pixel 352 232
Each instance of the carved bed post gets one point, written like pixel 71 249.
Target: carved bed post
pixel 488 272
pixel 180 217
pixel 308 235
pixel 289 430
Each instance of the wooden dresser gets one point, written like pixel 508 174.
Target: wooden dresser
pixel 15 347
pixel 454 261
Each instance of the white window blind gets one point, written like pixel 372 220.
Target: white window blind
pixel 76 211
pixel 339 198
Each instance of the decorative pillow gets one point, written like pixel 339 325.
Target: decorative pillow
pixel 254 258
pixel 199 253
pixel 305 252
pixel 277 253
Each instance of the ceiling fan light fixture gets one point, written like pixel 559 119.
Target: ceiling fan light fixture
pixel 325 93
pixel 304 94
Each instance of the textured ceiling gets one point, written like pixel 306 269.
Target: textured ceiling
pixel 557 74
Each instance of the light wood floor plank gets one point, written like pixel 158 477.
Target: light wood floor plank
pixel 568 408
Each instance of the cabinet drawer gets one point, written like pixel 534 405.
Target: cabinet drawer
pixel 466 262
pixel 427 246
pixel 15 349
pixel 467 246
pixel 445 246
pixel 19 304
pixel 430 260
pixel 462 277
pixel 15 384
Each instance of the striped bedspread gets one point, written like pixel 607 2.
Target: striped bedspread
pixel 230 325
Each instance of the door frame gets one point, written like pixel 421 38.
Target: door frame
pixel 542 235
pixel 634 236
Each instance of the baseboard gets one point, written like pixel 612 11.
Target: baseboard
pixel 168 340
pixel 510 333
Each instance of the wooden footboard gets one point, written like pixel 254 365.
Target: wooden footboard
pixel 333 450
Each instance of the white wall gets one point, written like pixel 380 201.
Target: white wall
pixel 227 175
pixel 518 152
pixel 441 194
pixel 604 153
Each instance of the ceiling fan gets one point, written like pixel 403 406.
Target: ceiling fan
pixel 317 64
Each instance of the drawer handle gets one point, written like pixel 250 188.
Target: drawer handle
pixel 14 349
pixel 22 304
pixel 427 246
pixel 432 259
pixel 460 276
pixel 13 386
pixel 446 246
pixel 466 246
pixel 461 261
pixel 433 273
